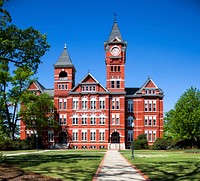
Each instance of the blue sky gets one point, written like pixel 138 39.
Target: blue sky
pixel 163 39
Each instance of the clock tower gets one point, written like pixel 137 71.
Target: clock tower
pixel 115 50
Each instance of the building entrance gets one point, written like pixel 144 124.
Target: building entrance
pixel 115 138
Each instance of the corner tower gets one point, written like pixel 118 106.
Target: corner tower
pixel 115 50
pixel 64 74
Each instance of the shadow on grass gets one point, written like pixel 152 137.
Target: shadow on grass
pixel 65 166
pixel 164 171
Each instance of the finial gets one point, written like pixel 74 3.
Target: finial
pixel 65 46
pixel 149 77
pixel 88 70
pixel 115 17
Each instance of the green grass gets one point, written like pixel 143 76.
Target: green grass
pixel 166 165
pixel 67 165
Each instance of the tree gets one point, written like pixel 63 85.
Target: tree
pixel 37 112
pixel 23 49
pixel 183 121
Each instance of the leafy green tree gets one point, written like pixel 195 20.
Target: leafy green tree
pixel 20 56
pixel 37 112
pixel 183 122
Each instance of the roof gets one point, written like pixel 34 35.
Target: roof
pixel 39 86
pixel 50 92
pixel 115 33
pixel 64 60
pixel 42 89
pixel 131 91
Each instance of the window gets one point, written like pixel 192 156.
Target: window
pixel 83 88
pixel 151 136
pixel 117 103
pixel 84 120
pixel 50 136
pixel 113 119
pixel 154 106
pixel 84 103
pixel 65 104
pixel 118 84
pixel 75 135
pixel 129 121
pixel 112 84
pixel 154 120
pixel 130 136
pixel 75 120
pixel 60 119
pixel 130 105
pixel 117 119
pixel 146 121
pixel 101 135
pixel 101 103
pixel 145 106
pixel 118 68
pixel 93 135
pixel 60 103
pixel 150 121
pixel 111 68
pixel 150 106
pixel 84 135
pixel 92 120
pixel 63 75
pixel 64 120
pixel 75 103
pixel 154 135
pixel 102 120
pixel 93 103
pixel 113 103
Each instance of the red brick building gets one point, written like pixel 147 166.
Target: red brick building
pixel 93 116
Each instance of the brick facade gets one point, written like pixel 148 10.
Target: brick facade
pixel 93 116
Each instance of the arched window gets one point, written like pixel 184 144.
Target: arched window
pixel 129 121
pixel 63 75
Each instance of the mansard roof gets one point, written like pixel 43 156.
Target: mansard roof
pixel 64 60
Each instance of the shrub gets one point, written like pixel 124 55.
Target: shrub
pixel 141 142
pixel 161 144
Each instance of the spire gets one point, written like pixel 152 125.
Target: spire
pixel 115 33
pixel 64 59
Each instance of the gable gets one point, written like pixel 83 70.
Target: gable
pixel 33 87
pixel 150 84
pixel 88 85
pixel 88 79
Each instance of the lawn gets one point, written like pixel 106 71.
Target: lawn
pixel 166 165
pixel 67 165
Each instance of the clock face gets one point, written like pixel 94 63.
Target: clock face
pixel 115 50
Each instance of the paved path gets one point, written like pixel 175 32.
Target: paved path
pixel 115 167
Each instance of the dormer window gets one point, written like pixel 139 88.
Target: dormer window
pixel 63 75
pixel 150 91
pixel 88 88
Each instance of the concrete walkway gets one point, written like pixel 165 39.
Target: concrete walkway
pixel 115 167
